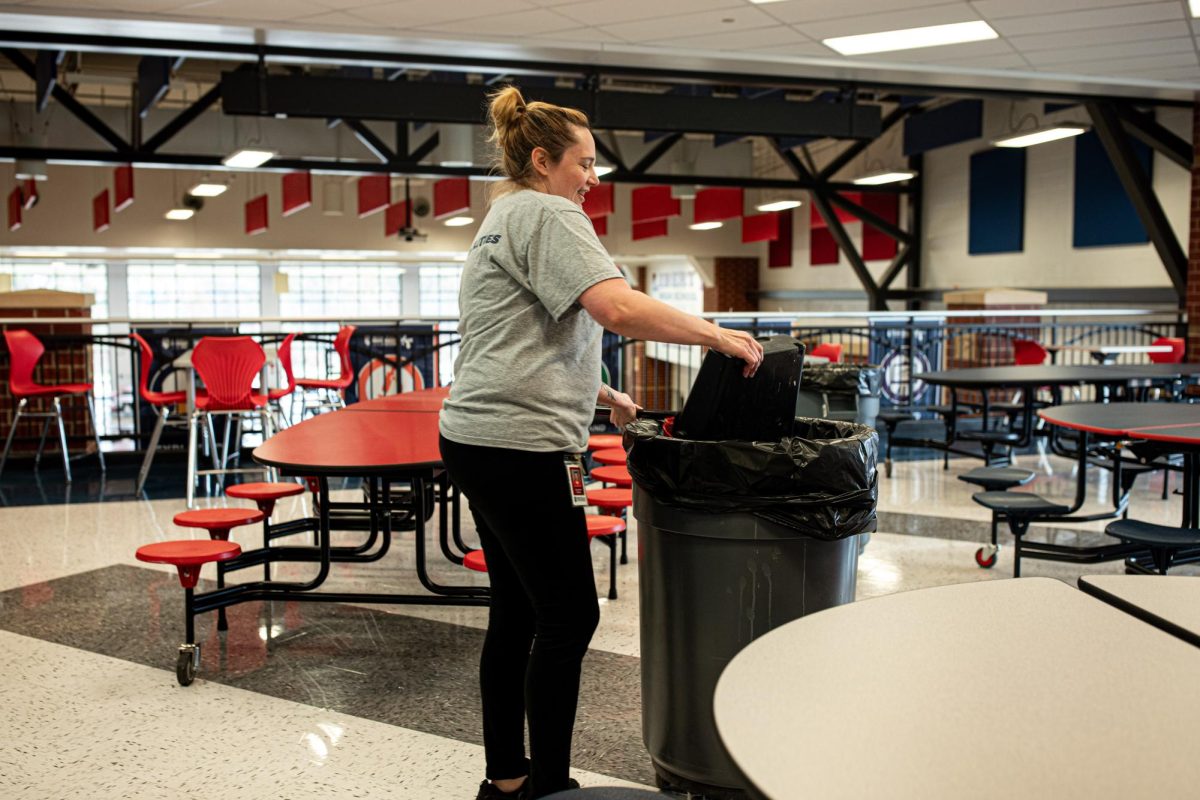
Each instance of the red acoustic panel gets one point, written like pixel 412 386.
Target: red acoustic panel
pixel 395 218
pixel 297 192
pixel 876 244
pixel 715 205
pixel 649 230
pixel 256 215
pixel 451 196
pixel 651 203
pixel 100 212
pixel 14 209
pixel 374 194
pixel 122 187
pixel 601 225
pixel 779 249
pixel 598 202
pixel 822 248
pixel 29 193
pixel 817 221
pixel 761 227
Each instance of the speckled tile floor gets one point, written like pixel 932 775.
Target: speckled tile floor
pixel 314 700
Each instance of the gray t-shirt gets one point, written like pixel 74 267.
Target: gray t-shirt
pixel 528 372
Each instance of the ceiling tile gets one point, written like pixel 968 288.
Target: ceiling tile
pixel 999 9
pixel 648 30
pixel 1190 74
pixel 1050 58
pixel 809 50
pixel 1098 36
pixel 816 10
pixel 336 19
pixel 1090 18
pixel 414 13
pixel 889 21
pixel 259 10
pixel 749 40
pixel 528 23
pixel 579 36
pixel 612 12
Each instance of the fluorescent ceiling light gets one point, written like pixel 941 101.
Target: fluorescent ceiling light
pixel 604 169
pixel 1194 7
pixel 887 176
pixel 460 164
pixel 248 158
pixel 779 205
pixel 1049 133
pixel 911 38
pixel 207 189
pixel 180 213
pixel 351 256
pixel 458 222
pixel 705 226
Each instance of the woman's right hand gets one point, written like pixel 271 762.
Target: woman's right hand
pixel 740 344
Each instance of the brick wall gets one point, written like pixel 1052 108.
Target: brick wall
pixel 735 282
pixel 1193 273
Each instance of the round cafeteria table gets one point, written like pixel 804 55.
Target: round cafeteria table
pixel 913 695
pixel 1168 602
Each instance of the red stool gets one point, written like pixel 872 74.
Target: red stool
pixel 607 529
pixel 474 560
pixel 614 457
pixel 618 476
pixel 218 522
pixel 188 557
pixel 604 441
pixel 614 502
pixel 264 496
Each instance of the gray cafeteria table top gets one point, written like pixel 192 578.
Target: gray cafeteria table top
pixel 1169 602
pixel 1011 688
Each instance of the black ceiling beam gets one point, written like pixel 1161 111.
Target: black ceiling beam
pixel 425 148
pixel 856 148
pixel 183 119
pixel 46 70
pixel 658 151
pixel 1141 194
pixel 842 238
pixel 67 101
pixel 898 263
pixel 428 101
pixel 614 160
pixel 1145 129
pixel 370 140
pixel 871 218
pixel 153 81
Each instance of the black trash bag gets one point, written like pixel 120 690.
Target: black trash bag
pixel 821 481
pixel 842 379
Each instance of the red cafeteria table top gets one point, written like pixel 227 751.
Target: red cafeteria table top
pixel 344 443
pixel 422 400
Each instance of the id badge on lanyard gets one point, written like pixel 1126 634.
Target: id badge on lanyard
pixel 574 466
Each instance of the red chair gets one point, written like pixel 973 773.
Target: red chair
pixel 1027 353
pixel 330 392
pixel 1174 357
pixel 827 350
pixel 188 556
pixel 227 366
pixel 163 402
pixel 25 350
pixel 284 354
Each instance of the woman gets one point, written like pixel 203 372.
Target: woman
pixel 537 289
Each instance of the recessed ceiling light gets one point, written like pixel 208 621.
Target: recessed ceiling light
pixel 180 213
pixel 458 222
pixel 911 38
pixel 248 158
pixel 1049 133
pixel 886 176
pixel 705 226
pixel 207 189
pixel 602 170
pixel 779 205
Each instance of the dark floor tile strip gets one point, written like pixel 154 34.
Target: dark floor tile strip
pixel 404 671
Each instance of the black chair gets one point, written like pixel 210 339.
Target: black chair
pixel 994 479
pixel 1020 510
pixel 1164 542
pixel 890 418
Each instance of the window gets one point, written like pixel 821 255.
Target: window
pixel 172 290
pixel 342 290
pixel 64 276
pixel 439 290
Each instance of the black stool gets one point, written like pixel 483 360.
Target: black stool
pixel 994 479
pixel 1163 541
pixel 890 418
pixel 990 440
pixel 1019 510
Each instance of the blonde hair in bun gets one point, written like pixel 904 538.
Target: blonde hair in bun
pixel 518 127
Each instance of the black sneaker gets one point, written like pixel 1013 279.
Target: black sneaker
pixel 571 785
pixel 488 791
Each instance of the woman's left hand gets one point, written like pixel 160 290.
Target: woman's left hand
pixel 624 410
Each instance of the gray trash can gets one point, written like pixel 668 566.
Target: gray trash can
pixel 848 392
pixel 734 540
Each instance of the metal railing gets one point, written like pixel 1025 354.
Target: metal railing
pixel 390 355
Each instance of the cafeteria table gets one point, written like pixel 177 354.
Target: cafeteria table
pixel 911 695
pixel 382 448
pixel 1168 602
pixel 1107 353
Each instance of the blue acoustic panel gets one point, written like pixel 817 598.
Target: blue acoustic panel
pixel 957 122
pixel 1103 213
pixel 996 219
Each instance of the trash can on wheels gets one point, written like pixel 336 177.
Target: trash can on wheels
pixel 840 391
pixel 735 538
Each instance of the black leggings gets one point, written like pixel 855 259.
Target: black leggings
pixel 543 606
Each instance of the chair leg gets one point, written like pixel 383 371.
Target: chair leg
pixel 91 409
pixel 229 423
pixel 62 438
pixel 11 433
pixel 193 421
pixel 268 431
pixel 37 458
pixel 152 448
